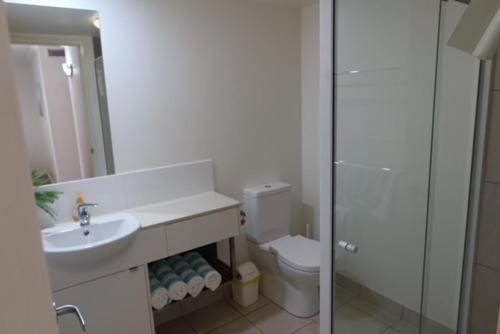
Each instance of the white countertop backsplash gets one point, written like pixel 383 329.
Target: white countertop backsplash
pixel 157 195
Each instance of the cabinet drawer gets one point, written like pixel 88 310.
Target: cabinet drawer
pixel 203 230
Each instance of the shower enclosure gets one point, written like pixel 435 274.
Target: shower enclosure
pixel 404 126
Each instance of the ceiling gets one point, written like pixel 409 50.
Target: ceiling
pixel 31 19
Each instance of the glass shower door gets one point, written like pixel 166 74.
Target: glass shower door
pixel 404 129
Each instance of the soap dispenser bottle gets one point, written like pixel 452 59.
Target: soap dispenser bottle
pixel 79 200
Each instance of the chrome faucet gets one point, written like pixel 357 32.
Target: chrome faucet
pixel 84 214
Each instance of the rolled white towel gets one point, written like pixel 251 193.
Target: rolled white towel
pixel 159 294
pixel 212 278
pixel 176 287
pixel 194 281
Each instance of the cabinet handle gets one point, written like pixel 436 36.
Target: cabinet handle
pixel 67 309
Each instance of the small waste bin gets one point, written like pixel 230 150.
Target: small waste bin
pixel 246 284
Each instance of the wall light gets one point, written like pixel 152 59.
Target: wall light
pixel 96 23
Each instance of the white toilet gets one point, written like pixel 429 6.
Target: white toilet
pixel 289 265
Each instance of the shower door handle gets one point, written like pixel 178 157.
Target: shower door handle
pixel 347 246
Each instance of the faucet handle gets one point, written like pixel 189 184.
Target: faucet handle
pixel 82 208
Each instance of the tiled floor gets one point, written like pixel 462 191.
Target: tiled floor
pixel 353 316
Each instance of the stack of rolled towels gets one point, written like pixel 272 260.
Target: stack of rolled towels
pixel 172 279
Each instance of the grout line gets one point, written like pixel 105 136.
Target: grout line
pixel 251 323
pixel 487 267
pixel 227 322
pixel 301 328
pixel 187 322
pixel 231 302
pixel 357 309
pixel 394 328
pixel 491 181
pixel 309 320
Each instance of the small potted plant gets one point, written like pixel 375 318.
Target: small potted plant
pixel 44 199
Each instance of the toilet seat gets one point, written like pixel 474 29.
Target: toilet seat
pixel 297 252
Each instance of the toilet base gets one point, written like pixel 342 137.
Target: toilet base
pixel 301 301
pixel 298 299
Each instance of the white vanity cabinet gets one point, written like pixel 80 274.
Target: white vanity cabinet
pixel 115 299
pixel 202 230
pixel 116 303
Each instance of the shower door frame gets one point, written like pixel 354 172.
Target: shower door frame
pixel 475 190
pixel 327 175
pixel 327 115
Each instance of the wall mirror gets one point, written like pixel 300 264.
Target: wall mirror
pixel 62 91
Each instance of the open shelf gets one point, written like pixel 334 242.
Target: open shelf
pixel 209 253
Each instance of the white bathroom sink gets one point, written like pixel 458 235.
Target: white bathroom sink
pixel 67 243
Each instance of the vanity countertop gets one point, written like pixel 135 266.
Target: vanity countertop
pixel 169 212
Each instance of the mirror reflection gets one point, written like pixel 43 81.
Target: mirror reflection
pixel 62 91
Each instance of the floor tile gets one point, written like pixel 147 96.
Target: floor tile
pixel 238 326
pixel 312 328
pixel 405 327
pixel 262 301
pixel 344 294
pixel 381 301
pixel 349 320
pixel 212 317
pixel 179 326
pixel 374 311
pixel 339 302
pixel 205 299
pixel 168 314
pixel 271 319
pixel 391 331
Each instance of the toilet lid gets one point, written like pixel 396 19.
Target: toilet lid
pixel 298 252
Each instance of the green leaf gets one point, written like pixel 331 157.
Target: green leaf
pixel 47 208
pixel 40 178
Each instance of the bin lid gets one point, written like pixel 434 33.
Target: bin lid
pixel 247 271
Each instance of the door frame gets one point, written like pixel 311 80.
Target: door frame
pixel 481 130
pixel 326 217
pixel 24 283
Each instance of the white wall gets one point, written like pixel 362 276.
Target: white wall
pixel 213 79
pixel 35 127
pixel 221 81
pixel 310 117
